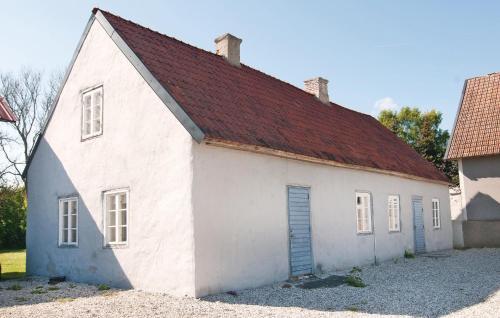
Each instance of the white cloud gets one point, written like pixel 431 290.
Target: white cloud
pixel 383 104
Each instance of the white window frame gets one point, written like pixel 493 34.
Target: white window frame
pixel 93 132
pixel 394 213
pixel 71 226
pixel 106 196
pixel 436 214
pixel 367 214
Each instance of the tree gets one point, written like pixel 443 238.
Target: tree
pixel 421 131
pixel 12 217
pixel 30 98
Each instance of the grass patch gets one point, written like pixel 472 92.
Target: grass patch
pixel 64 300
pixel 103 287
pixel 355 270
pixel 409 254
pixel 38 291
pixel 13 263
pixel 15 287
pixel 21 299
pixel 52 288
pixel 352 308
pixel 355 281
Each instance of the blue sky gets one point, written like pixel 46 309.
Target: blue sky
pixel 376 54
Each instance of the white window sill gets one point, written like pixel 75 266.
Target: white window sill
pixel 68 245
pixel 116 245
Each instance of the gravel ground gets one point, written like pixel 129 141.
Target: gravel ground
pixel 450 284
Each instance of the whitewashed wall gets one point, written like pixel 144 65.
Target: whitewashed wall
pixel 240 216
pixel 144 148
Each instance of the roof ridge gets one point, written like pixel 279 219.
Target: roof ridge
pixel 218 56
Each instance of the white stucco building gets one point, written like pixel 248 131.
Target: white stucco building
pixel 168 168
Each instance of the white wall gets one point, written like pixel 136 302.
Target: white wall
pixel 144 148
pixel 240 217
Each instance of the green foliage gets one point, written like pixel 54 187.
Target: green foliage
pixel 409 254
pixel 421 131
pixel 103 287
pixel 355 281
pixel 15 287
pixel 12 217
pixel 355 270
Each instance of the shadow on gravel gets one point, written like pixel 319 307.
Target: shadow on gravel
pixel 428 286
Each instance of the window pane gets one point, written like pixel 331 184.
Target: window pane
pixel 111 218
pixel 112 234
pixel 123 201
pixel 65 221
pixel 65 207
pixel 123 217
pixel 73 221
pixel 73 236
pixel 65 236
pixel 123 234
pixel 111 202
pixel 73 206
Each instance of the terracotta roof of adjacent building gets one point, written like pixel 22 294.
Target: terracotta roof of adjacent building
pixel 6 113
pixel 245 106
pixel 477 126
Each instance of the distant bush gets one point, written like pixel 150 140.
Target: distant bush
pixel 12 217
pixel 409 254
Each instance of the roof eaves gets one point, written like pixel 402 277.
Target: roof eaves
pixel 56 99
pixel 455 122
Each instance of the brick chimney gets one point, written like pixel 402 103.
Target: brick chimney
pixel 318 87
pixel 228 45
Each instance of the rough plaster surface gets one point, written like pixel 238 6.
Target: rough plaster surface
pixel 142 148
pixel 481 178
pixel 241 227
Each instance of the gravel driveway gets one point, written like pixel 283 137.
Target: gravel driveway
pixel 451 284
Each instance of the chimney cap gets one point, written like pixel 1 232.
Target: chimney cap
pixel 228 46
pixel 229 36
pixel 318 86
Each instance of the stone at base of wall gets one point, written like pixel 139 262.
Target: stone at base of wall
pixel 481 233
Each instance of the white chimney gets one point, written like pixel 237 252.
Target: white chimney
pixel 228 45
pixel 318 87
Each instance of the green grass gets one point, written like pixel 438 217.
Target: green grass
pixel 13 263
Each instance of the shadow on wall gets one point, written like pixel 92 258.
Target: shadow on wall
pixel 90 262
pixel 482 207
pixel 482 167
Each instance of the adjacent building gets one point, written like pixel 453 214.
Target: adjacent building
pixel 475 144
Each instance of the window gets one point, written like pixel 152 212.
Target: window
pixel 393 209
pixel 436 217
pixel 92 113
pixel 68 222
pixel 116 217
pixel 363 213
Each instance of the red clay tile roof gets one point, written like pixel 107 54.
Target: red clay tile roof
pixel 6 113
pixel 477 127
pixel 246 106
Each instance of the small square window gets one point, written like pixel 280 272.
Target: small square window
pixel 92 112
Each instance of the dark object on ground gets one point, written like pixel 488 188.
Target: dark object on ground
pixel 286 285
pixel 232 293
pixel 56 280
pixel 330 281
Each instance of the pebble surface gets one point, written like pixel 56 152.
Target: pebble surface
pixel 447 284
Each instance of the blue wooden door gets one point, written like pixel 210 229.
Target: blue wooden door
pixel 418 224
pixel 299 227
